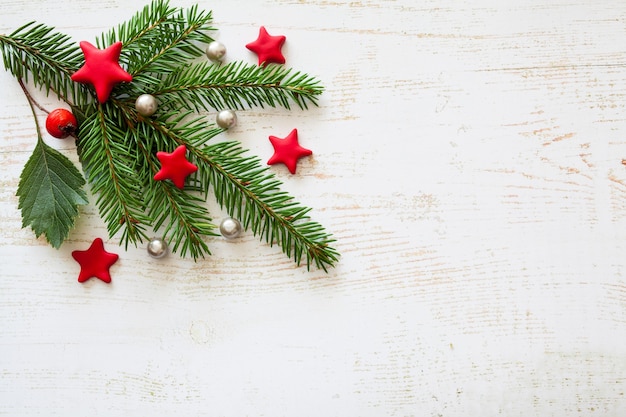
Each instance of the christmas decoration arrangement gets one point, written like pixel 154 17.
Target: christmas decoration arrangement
pixel 144 102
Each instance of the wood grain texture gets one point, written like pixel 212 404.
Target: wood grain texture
pixel 468 158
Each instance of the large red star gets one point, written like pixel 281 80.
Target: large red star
pixel 267 47
pixel 288 151
pixel 102 69
pixel 175 166
pixel 94 262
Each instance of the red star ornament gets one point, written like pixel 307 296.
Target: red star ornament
pixel 288 151
pixel 94 262
pixel 175 166
pixel 267 47
pixel 101 69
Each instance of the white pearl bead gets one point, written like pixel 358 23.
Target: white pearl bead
pixel 226 119
pixel 230 228
pixel 146 105
pixel 215 51
pixel 157 248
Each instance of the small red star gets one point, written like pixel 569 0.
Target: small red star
pixel 288 151
pixel 175 166
pixel 94 262
pixel 267 47
pixel 102 69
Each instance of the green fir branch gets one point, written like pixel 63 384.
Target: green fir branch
pixel 180 218
pixel 108 161
pixel 170 129
pixel 157 39
pixel 178 215
pixel 250 193
pixel 237 85
pixel 35 51
pixel 129 199
pixel 145 20
pixel 247 190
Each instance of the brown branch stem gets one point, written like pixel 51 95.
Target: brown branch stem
pixel 30 97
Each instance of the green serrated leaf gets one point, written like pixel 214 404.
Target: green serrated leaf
pixel 50 191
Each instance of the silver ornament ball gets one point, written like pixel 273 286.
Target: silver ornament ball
pixel 146 105
pixel 230 228
pixel 215 51
pixel 226 119
pixel 157 247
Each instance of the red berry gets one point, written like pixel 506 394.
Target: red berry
pixel 61 123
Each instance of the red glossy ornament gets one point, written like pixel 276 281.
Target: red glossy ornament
pixel 61 123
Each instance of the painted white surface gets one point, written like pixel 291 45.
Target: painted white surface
pixel 467 157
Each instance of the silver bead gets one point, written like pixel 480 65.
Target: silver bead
pixel 157 247
pixel 215 51
pixel 146 105
pixel 230 228
pixel 226 119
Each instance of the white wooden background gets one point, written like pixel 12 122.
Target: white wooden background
pixel 468 159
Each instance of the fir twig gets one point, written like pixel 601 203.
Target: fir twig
pixel 108 161
pixel 181 216
pixel 158 39
pixel 237 85
pixel 252 194
pixel 144 21
pixel 36 51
